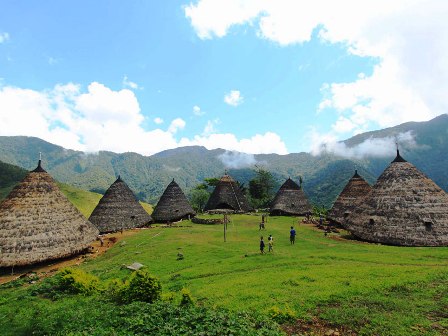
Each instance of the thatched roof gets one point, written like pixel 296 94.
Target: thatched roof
pixel 353 193
pixel 405 207
pixel 227 195
pixel 38 223
pixel 290 200
pixel 173 205
pixel 119 209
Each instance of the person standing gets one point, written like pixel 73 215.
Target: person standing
pixel 292 235
pixel 261 245
pixel 271 243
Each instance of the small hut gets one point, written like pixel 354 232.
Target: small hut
pixel 38 223
pixel 119 209
pixel 173 205
pixel 404 207
pixel 354 191
pixel 290 200
pixel 227 196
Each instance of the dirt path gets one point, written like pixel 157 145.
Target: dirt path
pixel 49 268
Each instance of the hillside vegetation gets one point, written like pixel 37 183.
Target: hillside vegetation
pixel 324 175
pixel 353 286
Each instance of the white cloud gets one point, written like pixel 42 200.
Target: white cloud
pixel 236 160
pixel 158 120
pixel 210 127
pixel 176 124
pixel 197 111
pixel 4 37
pixel 103 119
pixel 233 98
pixel 407 38
pixel 258 144
pixel 129 84
pixel 371 147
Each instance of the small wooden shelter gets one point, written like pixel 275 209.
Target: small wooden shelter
pixel 404 207
pixel 227 196
pixel 354 191
pixel 119 209
pixel 173 205
pixel 290 200
pixel 38 223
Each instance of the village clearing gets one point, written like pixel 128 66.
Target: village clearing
pixel 331 284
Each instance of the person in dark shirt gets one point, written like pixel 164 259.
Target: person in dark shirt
pixel 292 235
pixel 261 245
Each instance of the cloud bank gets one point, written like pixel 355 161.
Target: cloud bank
pixel 371 147
pixel 407 40
pixel 100 118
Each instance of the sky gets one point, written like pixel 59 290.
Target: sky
pixel 254 76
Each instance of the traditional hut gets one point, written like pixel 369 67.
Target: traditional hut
pixel 290 200
pixel 404 207
pixel 354 191
pixel 38 223
pixel 119 209
pixel 173 205
pixel 227 196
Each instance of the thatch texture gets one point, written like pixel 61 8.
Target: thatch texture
pixel 404 208
pixel 227 195
pixel 290 200
pixel 119 209
pixel 353 193
pixel 38 223
pixel 173 205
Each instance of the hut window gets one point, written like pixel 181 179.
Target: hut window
pixel 371 221
pixel 132 217
pixel 346 214
pixel 428 226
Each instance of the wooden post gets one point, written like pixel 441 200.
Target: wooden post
pixel 225 227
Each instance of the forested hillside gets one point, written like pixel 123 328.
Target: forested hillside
pixel 324 175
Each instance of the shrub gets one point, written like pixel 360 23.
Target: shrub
pixel 186 298
pixel 141 286
pixel 168 297
pixel 282 316
pixel 77 281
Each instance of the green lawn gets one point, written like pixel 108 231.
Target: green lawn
pixel 368 288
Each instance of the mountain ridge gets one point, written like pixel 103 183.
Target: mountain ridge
pixel 324 175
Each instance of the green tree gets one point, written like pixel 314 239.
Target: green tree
pixel 199 198
pixel 261 188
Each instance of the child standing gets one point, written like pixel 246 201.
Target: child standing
pixel 261 245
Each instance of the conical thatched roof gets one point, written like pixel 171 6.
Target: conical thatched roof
pixel 119 209
pixel 404 208
pixel 38 223
pixel 353 193
pixel 290 200
pixel 173 205
pixel 227 195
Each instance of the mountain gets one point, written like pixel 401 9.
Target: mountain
pixel 324 175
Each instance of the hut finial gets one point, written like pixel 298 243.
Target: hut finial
pixel 398 158
pixel 39 164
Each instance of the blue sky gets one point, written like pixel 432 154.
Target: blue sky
pixel 252 76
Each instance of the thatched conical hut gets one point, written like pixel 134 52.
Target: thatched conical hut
pixel 354 191
pixel 173 205
pixel 119 209
pixel 227 196
pixel 404 207
pixel 290 200
pixel 38 223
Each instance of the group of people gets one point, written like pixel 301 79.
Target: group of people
pixel 292 240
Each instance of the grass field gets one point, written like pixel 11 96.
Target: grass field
pixel 368 288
